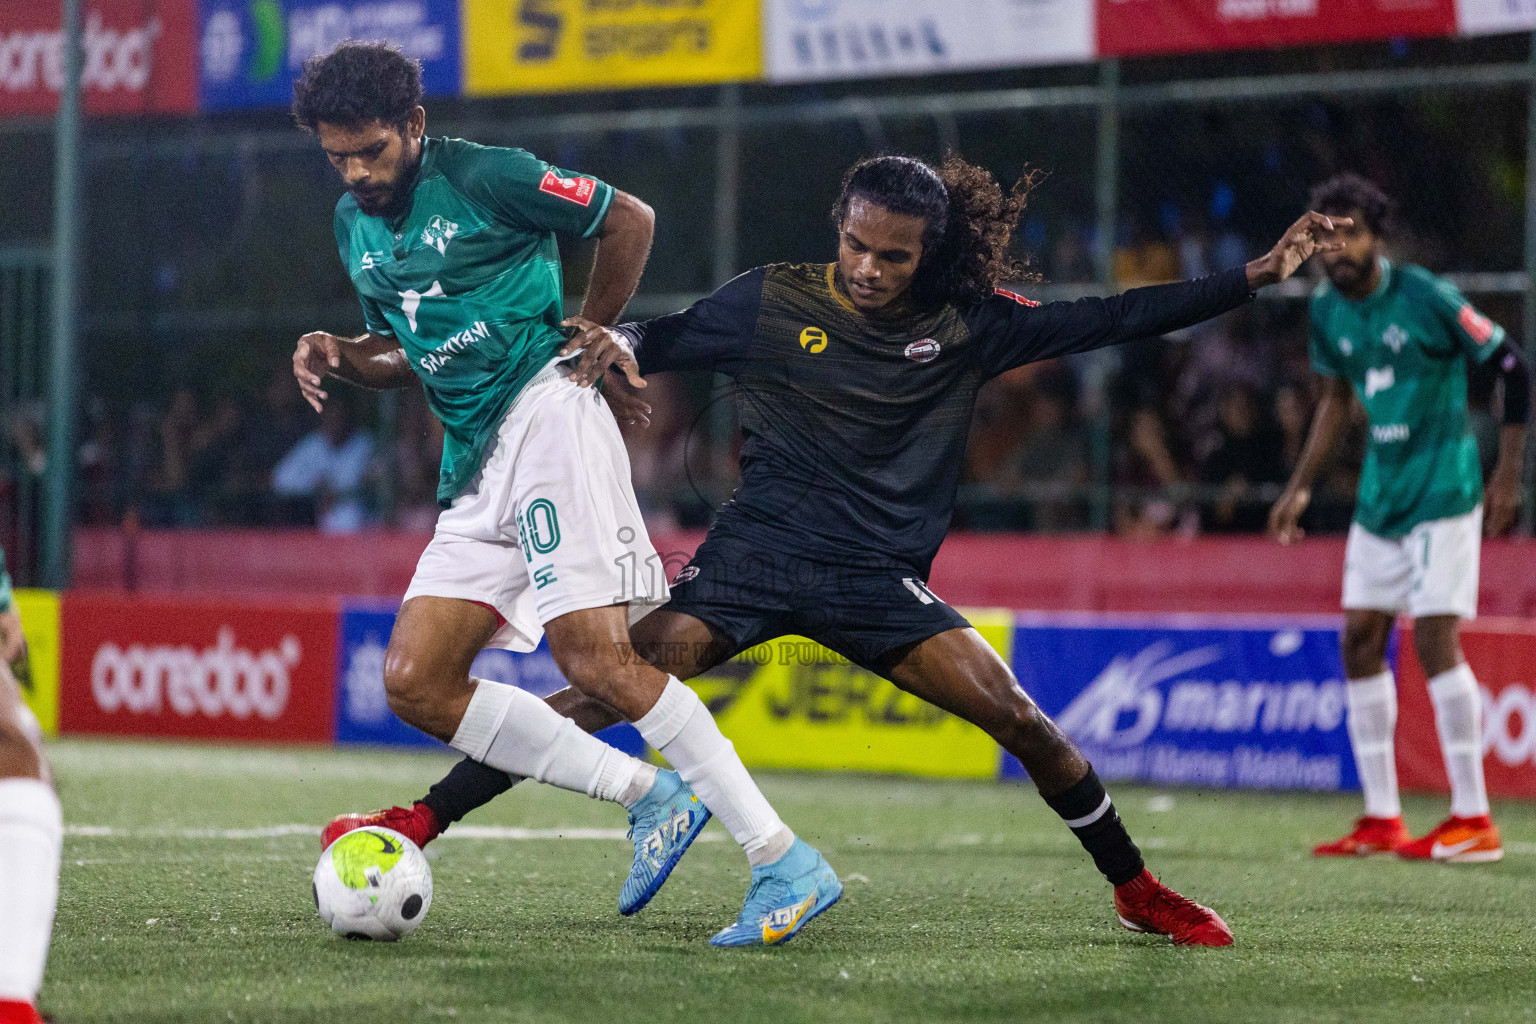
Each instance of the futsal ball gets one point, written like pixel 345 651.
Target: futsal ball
pixel 373 883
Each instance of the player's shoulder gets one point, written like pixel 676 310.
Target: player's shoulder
pixel 344 218
pixel 466 163
pixel 1415 280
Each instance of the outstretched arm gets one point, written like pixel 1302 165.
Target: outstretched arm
pixel 1503 492
pixel 1015 332
pixel 1328 423
pixel 370 360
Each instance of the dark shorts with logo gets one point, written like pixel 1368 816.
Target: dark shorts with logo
pixel 861 609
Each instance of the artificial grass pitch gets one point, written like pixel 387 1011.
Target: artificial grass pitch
pixel 185 897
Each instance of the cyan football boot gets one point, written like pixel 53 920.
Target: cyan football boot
pixel 663 824
pixel 784 897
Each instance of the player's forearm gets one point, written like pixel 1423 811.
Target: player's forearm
pixel 622 251
pixel 374 361
pixel 1511 462
pixel 1327 424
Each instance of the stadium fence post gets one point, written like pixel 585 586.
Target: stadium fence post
pixel 66 245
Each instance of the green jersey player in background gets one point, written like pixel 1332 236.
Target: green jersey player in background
pixel 1403 340
pixel 451 248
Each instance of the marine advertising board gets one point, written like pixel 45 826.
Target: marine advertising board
pixel 1178 701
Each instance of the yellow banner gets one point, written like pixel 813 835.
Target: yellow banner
pixel 522 46
pixel 39 611
pixel 791 703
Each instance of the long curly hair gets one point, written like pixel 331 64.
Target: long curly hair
pixel 357 83
pixel 970 221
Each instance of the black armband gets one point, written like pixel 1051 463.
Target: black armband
pixel 1515 372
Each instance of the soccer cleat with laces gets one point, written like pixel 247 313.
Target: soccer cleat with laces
pixel 417 823
pixel 1146 905
pixel 1457 841
pixel 1370 835
pixel 784 897
pixel 662 824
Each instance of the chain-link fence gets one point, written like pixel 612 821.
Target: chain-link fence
pixel 209 249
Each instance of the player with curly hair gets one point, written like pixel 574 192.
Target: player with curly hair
pixel 855 382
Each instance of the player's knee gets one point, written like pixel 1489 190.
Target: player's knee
pixel 597 672
pixel 1365 651
pixel 410 685
pixel 1437 645
pixel 1025 729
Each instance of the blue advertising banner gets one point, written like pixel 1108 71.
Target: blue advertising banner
pixel 252 50
pixel 1197 702
pixel 362 713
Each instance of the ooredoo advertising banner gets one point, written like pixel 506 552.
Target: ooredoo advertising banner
pixel 523 46
pixel 1502 654
pixel 1190 702
pixel 139 57
pixel 820 39
pixel 203 669
pixel 252 50
pixel 1129 28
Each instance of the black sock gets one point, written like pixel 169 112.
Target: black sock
pixel 469 785
pixel 1104 837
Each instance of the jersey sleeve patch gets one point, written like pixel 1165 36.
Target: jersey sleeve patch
pixel 1478 327
pixel 1015 296
pixel 575 190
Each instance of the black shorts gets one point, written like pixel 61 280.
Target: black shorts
pixel 861 609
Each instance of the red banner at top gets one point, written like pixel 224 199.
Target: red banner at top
pixel 1134 28
pixel 140 57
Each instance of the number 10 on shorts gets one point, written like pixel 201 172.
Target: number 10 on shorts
pixel 538 526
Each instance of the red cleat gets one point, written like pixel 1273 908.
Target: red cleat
pixel 13 1011
pixel 1147 905
pixel 1371 835
pixel 1457 841
pixel 417 823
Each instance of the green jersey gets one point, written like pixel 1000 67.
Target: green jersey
pixel 1405 349
pixel 468 280
pixel 5 586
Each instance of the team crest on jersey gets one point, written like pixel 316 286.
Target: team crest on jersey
pixel 576 190
pixel 925 351
pixel 438 233
pixel 1478 327
pixel 1394 337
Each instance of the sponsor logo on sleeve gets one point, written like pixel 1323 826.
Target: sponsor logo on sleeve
pixel 576 190
pixel 1015 296
pixel 1478 327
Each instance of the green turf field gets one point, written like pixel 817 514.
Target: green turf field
pixel 184 899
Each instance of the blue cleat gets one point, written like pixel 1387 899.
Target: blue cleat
pixel 663 824
pixel 784 897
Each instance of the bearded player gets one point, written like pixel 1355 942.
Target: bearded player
pixel 31 833
pixel 855 383
pixel 1403 341
pixel 451 248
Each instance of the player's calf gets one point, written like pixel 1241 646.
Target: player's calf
pixel 31 838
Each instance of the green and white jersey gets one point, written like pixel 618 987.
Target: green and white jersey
pixel 468 280
pixel 1405 349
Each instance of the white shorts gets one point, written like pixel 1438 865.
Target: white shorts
pixel 1432 571
pixel 550 525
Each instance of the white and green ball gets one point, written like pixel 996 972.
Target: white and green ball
pixel 373 883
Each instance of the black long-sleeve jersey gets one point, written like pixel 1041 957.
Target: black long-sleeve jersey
pixel 854 424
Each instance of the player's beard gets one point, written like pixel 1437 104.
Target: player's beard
pixel 399 199
pixel 1354 272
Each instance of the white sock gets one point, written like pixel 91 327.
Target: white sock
pixel 509 728
pixel 1372 720
pixel 31 836
pixel 681 727
pixel 1459 721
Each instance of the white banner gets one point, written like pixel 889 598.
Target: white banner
pixel 1485 17
pixel 820 39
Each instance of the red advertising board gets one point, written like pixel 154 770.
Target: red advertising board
pixel 205 669
pixel 1132 28
pixel 140 56
pixel 1502 653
